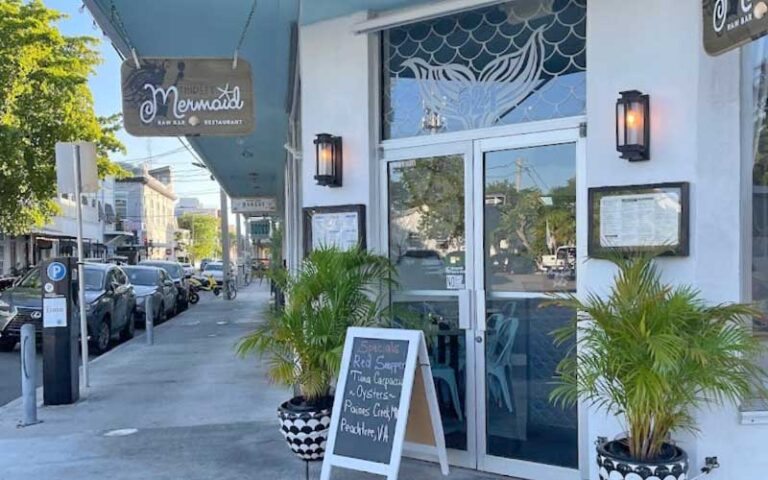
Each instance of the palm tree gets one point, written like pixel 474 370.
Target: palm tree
pixel 333 290
pixel 652 353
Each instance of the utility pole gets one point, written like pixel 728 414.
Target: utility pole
pixel 192 242
pixel 81 269
pixel 225 242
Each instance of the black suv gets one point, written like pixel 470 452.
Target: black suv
pixel 109 303
pixel 180 279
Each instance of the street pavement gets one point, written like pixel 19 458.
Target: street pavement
pixel 186 408
pixel 10 374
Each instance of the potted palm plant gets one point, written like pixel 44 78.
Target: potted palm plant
pixel 651 354
pixel 303 342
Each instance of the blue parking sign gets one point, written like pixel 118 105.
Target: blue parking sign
pixel 57 271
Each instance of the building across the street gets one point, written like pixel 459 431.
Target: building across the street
pixel 144 205
pixel 59 236
pixel 194 205
pixel 488 148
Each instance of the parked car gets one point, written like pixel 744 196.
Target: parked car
pixel 215 270
pixel 176 272
pixel 156 283
pixel 189 269
pixel 110 301
pixel 205 262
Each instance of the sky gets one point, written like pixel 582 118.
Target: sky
pixel 189 181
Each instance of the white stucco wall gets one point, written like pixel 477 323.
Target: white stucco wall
pixel 652 45
pixel 695 138
pixel 336 98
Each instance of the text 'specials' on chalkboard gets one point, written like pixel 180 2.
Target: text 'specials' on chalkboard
pixel 371 399
pixel 385 403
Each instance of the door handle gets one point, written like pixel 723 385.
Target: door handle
pixel 465 309
pixel 480 310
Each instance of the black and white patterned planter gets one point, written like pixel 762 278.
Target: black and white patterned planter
pixel 616 467
pixel 306 431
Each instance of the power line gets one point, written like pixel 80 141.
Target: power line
pixel 152 157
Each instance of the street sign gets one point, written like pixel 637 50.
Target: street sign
pixel 261 229
pixel 729 24
pixel 187 96
pixel 65 167
pixel 56 271
pixel 55 311
pixel 254 205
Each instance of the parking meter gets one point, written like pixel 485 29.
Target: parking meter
pixel 61 355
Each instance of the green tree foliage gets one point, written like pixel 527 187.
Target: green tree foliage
pixel 524 216
pixel 205 234
pixel 44 99
pixel 652 354
pixel 434 186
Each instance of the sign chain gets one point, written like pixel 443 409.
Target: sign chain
pixel 242 34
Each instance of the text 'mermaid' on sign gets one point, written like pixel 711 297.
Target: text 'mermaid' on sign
pixel 187 96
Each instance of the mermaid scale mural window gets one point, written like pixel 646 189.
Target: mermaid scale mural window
pixel 514 62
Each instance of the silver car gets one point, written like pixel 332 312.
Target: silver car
pixel 153 282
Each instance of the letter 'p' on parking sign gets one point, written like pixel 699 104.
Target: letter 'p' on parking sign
pixel 56 271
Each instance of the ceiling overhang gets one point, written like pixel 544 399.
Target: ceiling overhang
pixel 251 165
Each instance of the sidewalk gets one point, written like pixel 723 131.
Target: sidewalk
pixel 199 411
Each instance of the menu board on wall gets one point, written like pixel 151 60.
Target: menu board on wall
pixel 639 217
pixel 342 227
pixel 385 384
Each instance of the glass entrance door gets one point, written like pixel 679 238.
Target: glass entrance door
pixel 525 209
pixel 480 233
pixel 429 237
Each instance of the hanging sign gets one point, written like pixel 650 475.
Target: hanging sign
pixel 385 401
pixel 728 24
pixel 187 96
pixel 261 229
pixel 254 205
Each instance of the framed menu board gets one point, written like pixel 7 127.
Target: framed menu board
pixel 652 217
pixel 338 226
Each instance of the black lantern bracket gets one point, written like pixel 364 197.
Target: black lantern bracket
pixel 328 156
pixel 633 126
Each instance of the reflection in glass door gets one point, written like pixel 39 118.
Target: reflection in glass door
pixel 480 232
pixel 428 245
pixel 529 250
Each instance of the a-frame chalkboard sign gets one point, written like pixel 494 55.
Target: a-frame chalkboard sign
pixel 385 385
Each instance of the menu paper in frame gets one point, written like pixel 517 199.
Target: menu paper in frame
pixel 335 230
pixel 342 227
pixel 639 217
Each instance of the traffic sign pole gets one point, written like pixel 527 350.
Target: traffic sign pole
pixel 81 271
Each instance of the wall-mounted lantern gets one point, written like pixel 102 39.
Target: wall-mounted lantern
pixel 329 161
pixel 633 126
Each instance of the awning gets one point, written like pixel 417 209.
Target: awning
pixel 250 166
pixel 50 234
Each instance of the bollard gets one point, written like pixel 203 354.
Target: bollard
pixel 28 374
pixel 149 320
